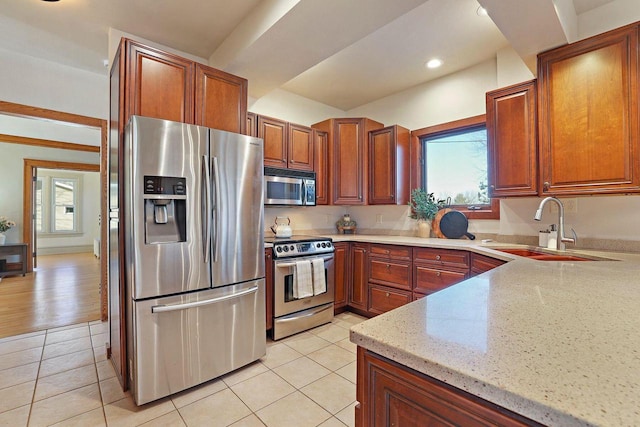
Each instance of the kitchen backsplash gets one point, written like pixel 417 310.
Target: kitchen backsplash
pixel 601 222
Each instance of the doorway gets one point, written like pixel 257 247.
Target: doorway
pixel 75 120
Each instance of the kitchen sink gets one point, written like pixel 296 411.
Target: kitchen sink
pixel 546 256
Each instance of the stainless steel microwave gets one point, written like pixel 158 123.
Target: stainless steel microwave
pixel 289 187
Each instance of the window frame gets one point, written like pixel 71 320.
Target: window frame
pixel 53 206
pixel 417 178
pixel 48 205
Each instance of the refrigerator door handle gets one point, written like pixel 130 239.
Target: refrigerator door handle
pixel 206 215
pixel 216 177
pixel 175 307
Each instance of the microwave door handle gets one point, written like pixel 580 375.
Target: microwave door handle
pixel 304 192
pixel 206 203
pixel 216 225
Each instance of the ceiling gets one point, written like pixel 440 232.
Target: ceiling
pixel 341 53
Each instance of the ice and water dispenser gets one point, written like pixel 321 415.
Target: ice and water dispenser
pixel 165 209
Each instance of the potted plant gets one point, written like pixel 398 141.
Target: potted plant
pixel 424 207
pixel 5 224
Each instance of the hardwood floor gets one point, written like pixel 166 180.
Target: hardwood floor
pixel 62 290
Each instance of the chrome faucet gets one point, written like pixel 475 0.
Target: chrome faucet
pixel 562 239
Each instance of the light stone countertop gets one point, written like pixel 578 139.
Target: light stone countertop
pixel 558 342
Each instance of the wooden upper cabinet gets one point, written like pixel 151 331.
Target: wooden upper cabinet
pixel 389 166
pixel 274 134
pixel 252 124
pixel 320 165
pixel 300 147
pixel 160 84
pixel 221 100
pixel 512 140
pixel 588 115
pixel 348 158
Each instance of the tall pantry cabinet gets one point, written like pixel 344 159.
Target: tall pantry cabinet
pixel 148 82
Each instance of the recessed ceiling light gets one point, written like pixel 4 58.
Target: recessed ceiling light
pixel 51 1
pixel 434 63
pixel 481 11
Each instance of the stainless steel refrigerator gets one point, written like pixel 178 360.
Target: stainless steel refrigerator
pixel 194 253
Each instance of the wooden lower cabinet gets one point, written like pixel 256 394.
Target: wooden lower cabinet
pixel 341 268
pixel 386 298
pixel 390 394
pixel 358 294
pixel 429 279
pixel 268 281
pixel 482 263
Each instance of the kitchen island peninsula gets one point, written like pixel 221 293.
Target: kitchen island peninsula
pixel 528 342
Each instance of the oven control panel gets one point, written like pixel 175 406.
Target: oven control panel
pixel 291 249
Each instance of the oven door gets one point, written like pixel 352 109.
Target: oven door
pixel 280 190
pixel 283 301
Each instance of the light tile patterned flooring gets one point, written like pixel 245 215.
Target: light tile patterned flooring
pixel 61 377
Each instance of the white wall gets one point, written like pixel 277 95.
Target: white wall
pixel 46 84
pixel 11 176
pixel 293 108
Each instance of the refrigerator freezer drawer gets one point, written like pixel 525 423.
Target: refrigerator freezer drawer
pixel 185 340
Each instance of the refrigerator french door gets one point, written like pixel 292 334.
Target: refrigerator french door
pixel 194 260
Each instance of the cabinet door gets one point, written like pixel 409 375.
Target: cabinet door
pixel 341 268
pixel 274 134
pixel 389 166
pixel 429 279
pixel 268 280
pixel 588 112
pixel 252 124
pixel 159 84
pixel 482 263
pixel 359 277
pixel 394 395
pixel 300 149
pixel 349 162
pixel 221 100
pixel 320 162
pixel 512 140
pixel 384 298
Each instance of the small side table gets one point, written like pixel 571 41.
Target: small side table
pixel 13 268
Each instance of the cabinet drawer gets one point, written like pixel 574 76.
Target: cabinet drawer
pixel 392 273
pixel 482 263
pixel 383 299
pixel 391 251
pixel 429 280
pixel 442 257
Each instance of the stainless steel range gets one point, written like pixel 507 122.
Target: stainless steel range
pixel 303 283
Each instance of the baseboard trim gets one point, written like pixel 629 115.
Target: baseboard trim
pixel 65 250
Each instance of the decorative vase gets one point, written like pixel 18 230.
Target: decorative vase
pixel 3 238
pixel 424 228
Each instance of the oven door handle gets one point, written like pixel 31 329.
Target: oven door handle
pixel 175 307
pixel 292 264
pixel 307 313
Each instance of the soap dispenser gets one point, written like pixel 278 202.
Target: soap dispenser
pixel 552 243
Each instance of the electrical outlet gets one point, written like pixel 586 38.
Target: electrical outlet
pixel 378 218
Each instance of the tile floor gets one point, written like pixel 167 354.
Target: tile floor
pixel 61 377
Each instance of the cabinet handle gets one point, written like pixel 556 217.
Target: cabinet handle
pixel 493 187
pixel 388 266
pixel 386 252
pixel 437 257
pixel 438 273
pixel 292 161
pixel 387 295
pixel 546 185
